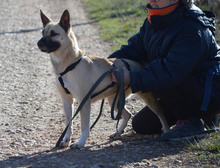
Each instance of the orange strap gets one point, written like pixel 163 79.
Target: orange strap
pixel 161 11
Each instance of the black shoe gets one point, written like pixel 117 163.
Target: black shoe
pixel 185 129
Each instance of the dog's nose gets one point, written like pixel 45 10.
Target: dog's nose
pixel 40 43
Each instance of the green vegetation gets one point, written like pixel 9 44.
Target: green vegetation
pixel 207 150
pixel 215 7
pixel 120 19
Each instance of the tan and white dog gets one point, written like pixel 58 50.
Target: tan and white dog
pixel 59 40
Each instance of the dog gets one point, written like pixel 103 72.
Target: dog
pixel 60 42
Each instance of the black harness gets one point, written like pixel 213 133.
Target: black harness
pixel 120 93
pixel 72 66
pixel 69 68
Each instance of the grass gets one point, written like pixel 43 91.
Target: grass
pixel 206 151
pixel 218 31
pixel 216 9
pixel 120 19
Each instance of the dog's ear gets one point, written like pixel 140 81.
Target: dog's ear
pixel 45 20
pixel 65 20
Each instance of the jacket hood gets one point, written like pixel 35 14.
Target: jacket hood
pixel 205 18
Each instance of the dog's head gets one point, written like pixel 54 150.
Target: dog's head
pixel 55 34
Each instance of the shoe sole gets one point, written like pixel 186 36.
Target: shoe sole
pixel 197 136
pixel 187 138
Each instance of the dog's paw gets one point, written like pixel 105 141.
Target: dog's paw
pixel 115 135
pixel 65 143
pixel 165 130
pixel 76 145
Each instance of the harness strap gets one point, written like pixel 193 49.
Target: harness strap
pixel 63 86
pixel 121 102
pixel 109 86
pixel 88 95
pixel 69 68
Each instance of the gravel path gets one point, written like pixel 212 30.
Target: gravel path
pixel 32 118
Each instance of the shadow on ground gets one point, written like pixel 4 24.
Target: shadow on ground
pixel 115 155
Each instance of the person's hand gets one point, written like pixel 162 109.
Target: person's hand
pixel 126 76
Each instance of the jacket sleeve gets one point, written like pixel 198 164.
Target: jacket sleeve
pixel 134 50
pixel 183 55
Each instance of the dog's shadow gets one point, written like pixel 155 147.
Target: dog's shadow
pixel 115 155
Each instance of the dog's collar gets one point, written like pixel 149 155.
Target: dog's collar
pixel 69 68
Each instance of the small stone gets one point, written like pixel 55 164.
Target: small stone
pixel 177 161
pixel 154 166
pixel 137 164
pixel 155 159
pixel 145 161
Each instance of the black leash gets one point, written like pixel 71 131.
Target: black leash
pixel 120 104
pixel 120 95
pixel 100 113
pixel 88 95
pixel 120 92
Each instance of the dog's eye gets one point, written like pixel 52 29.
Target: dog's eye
pixel 52 33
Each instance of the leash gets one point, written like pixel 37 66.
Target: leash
pixel 100 113
pixel 120 105
pixel 120 92
pixel 88 95
pixel 121 101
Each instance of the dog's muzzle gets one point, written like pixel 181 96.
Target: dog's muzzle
pixel 47 45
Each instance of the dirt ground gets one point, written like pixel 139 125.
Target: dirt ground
pixel 31 117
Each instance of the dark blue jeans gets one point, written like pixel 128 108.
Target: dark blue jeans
pixel 179 103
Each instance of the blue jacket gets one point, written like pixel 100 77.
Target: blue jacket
pixel 174 46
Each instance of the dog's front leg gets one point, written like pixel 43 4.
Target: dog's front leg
pixel 85 122
pixel 67 104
